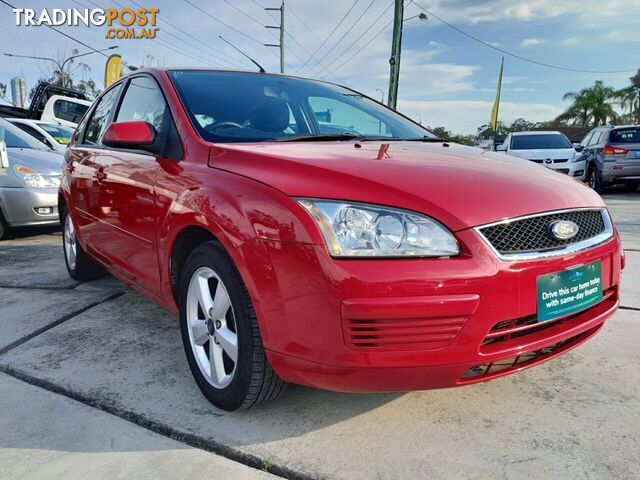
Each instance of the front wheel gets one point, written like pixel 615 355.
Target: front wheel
pixel 594 180
pixel 220 333
pixel 4 227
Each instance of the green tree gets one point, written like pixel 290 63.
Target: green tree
pixel 591 106
pixel 630 98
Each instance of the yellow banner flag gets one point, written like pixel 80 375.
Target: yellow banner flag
pixel 496 105
pixel 112 70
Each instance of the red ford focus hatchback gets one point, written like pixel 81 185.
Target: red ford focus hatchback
pixel 306 234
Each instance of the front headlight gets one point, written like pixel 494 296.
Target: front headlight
pixel 34 179
pixel 363 230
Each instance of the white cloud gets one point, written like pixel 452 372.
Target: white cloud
pixel 572 41
pixel 465 117
pixel 528 42
pixel 622 36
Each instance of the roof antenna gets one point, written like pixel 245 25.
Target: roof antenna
pixel 262 70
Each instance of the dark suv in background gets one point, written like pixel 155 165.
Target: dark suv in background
pixel 612 155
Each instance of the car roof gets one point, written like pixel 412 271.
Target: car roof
pixel 537 132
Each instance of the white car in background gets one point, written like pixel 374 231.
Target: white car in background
pixel 53 135
pixel 551 149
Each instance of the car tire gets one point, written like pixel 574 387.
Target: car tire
pixel 215 314
pixel 79 265
pixel 594 179
pixel 4 227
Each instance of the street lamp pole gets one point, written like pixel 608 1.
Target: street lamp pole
pixel 58 64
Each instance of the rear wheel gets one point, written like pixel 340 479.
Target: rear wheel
pixel 4 227
pixel 220 333
pixel 594 180
pixel 79 265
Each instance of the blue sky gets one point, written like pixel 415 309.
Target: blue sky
pixel 446 78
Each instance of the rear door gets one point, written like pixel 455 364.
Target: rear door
pixel 84 159
pixel 126 204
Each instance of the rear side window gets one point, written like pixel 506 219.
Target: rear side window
pixel 595 140
pixel 625 135
pixel 100 117
pixel 69 111
pixel 143 101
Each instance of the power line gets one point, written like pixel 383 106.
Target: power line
pixel 329 36
pixel 219 54
pixel 357 51
pixel 326 67
pixel 342 37
pixel 515 55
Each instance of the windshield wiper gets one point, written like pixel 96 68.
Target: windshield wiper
pixel 318 137
pixel 426 139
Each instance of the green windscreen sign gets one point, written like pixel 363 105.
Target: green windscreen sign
pixel 569 291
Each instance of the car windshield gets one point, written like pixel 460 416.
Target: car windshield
pixel 16 138
pixel 253 107
pixel 625 135
pixel 62 135
pixel 540 142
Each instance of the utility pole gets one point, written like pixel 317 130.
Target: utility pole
pixel 281 28
pixel 394 61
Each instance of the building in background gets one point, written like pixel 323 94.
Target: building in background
pixel 19 92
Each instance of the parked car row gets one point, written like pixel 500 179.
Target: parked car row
pixel 606 156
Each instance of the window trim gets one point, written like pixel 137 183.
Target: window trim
pixel 82 137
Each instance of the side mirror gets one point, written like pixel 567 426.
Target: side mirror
pixel 134 135
pixel 501 148
pixel 578 147
pixel 4 158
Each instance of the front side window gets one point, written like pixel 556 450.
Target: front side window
pixel 100 116
pixel 540 142
pixel 254 107
pixel 143 101
pixel 69 111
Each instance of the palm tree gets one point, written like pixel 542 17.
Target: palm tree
pixel 591 105
pixel 630 97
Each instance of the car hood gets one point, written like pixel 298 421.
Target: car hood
pixel 543 154
pixel 48 162
pixel 460 186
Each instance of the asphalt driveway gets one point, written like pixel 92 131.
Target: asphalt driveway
pixel 110 357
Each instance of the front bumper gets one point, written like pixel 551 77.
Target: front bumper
pixel 575 170
pixel 19 206
pixel 409 324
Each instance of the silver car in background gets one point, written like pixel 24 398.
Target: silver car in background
pixel 29 178
pixel 612 155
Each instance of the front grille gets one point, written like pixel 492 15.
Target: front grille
pixel 511 330
pixel 532 234
pixel 541 160
pixel 489 370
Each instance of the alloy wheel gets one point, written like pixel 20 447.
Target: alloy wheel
pixel 212 328
pixel 70 247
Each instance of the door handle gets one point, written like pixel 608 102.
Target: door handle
pixel 100 175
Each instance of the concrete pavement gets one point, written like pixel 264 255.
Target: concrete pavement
pixel 575 417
